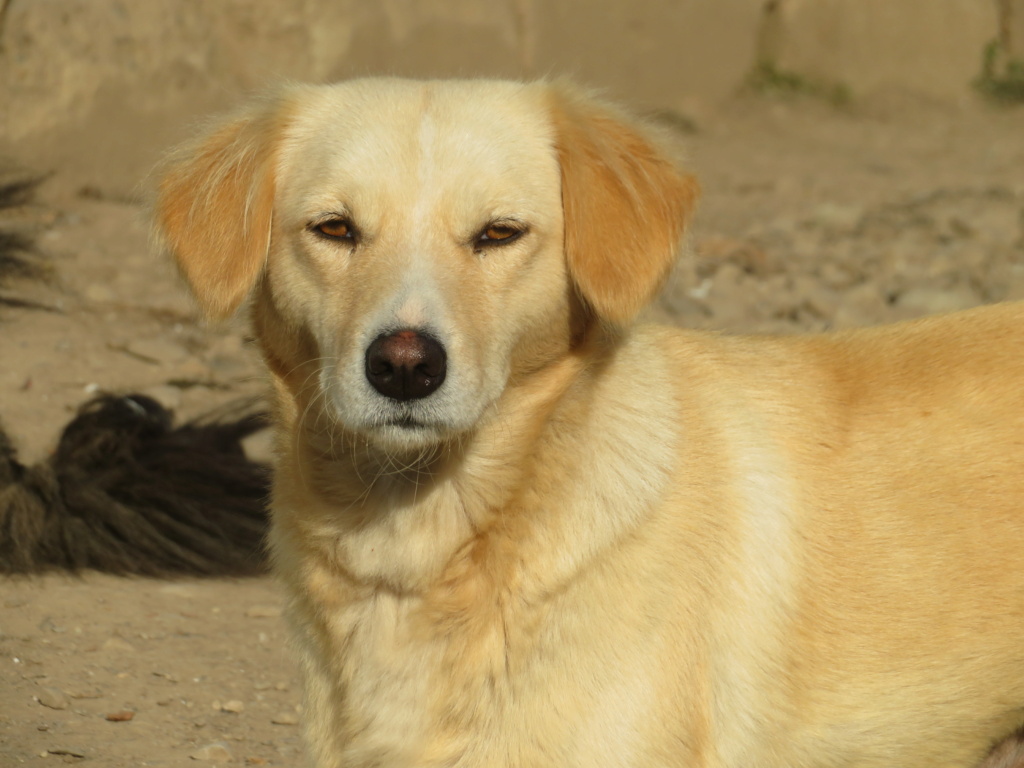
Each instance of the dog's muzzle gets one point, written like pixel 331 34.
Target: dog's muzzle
pixel 406 364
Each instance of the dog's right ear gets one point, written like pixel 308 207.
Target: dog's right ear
pixel 215 207
pixel 625 202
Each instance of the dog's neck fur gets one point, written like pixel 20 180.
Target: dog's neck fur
pixel 441 553
pixel 399 521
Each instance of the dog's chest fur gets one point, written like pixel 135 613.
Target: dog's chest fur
pixel 479 660
pixel 464 605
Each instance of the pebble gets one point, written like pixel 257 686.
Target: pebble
pixel 64 752
pixel 1014 286
pixel 157 351
pixel 120 717
pixel 92 693
pixel 860 306
pixel 234 706
pixel 99 293
pixel 187 591
pixel 263 612
pixel 118 645
pixel 285 718
pixel 217 752
pixel 192 369
pixel 835 217
pixel 49 625
pixel 727 278
pixel 820 300
pixel 745 254
pixel 53 698
pixel 228 355
pixel 836 276
pixel 926 300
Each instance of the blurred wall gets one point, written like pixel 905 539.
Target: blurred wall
pixel 96 89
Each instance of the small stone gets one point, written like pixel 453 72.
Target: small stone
pixel 842 218
pixel 728 276
pixel 861 305
pixel 84 694
pixel 99 293
pixel 120 717
pixel 263 612
pixel 234 706
pixel 217 752
pixel 285 718
pixel 118 645
pixel 53 698
pixel 64 752
pixel 684 305
pixel 157 351
pixel 928 301
pixel 49 625
pixel 745 254
pixel 228 355
pixel 186 591
pixel 229 344
pixel 192 370
pixel 812 296
pixel 836 276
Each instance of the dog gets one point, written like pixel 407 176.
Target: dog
pixel 517 528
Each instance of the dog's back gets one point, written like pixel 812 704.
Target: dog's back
pixel 874 587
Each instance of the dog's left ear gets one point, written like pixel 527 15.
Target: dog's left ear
pixel 625 204
pixel 215 206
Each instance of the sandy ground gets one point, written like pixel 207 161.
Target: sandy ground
pixel 812 218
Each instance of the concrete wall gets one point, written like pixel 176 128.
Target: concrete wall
pixel 929 47
pixel 95 89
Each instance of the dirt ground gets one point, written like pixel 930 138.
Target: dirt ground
pixel 812 217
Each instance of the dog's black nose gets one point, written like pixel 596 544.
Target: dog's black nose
pixel 406 364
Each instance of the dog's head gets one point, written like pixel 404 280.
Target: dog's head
pixel 416 246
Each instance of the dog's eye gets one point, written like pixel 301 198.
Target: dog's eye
pixel 338 229
pixel 498 234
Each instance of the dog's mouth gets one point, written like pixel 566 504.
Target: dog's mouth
pixel 415 417
pixel 403 422
pixel 404 431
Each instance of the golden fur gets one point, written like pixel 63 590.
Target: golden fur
pixel 597 544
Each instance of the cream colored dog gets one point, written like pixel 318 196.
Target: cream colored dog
pixel 516 530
